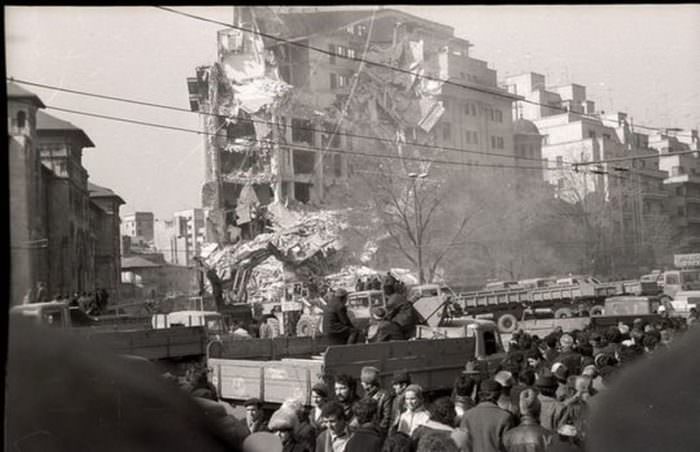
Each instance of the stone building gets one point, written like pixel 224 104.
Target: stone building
pixel 105 206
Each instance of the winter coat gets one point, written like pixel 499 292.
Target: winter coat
pixel 529 436
pixel 366 438
pixel 486 424
pixel 336 323
pixel 294 445
pixel 384 402
pixel 410 421
pixel 402 313
pixel 388 331
pixel 550 412
pixel 430 426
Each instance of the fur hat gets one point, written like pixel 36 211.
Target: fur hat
pixel 283 419
pixel 369 375
pixel 566 340
pixel 320 389
pixel 504 378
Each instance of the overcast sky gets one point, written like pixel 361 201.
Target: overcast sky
pixel 641 59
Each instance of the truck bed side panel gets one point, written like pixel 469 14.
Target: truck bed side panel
pixel 431 363
pixel 267 349
pixel 152 344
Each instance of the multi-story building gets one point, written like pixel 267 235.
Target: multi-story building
pixel 337 112
pixel 64 233
pixel 28 231
pixel 631 190
pixel 682 184
pixel 180 239
pixel 105 205
pixel 527 143
pixel 139 227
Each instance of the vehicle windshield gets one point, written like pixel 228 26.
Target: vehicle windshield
pixel 431 292
pixel 53 319
pixel 214 324
pixel 690 276
pixel 377 299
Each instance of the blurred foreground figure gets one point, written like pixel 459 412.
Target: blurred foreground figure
pixel 652 406
pixel 63 394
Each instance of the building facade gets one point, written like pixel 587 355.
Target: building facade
pixel 332 113
pixel 139 227
pixel 181 238
pixel 105 205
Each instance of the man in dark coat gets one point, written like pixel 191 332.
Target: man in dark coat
pixel 385 329
pixel 369 378
pixel 254 416
pixel 336 324
pixel 367 437
pixel 529 436
pixel 486 422
pixel 401 312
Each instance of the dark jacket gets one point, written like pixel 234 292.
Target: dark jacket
pixel 486 424
pixel 423 430
pixel 306 434
pixel 388 331
pixel 336 323
pixel 384 404
pixel 572 361
pixel 294 445
pixel 529 436
pixel 257 427
pixel 366 438
pixel 401 312
pixel 550 412
pixel 558 445
pixel 396 409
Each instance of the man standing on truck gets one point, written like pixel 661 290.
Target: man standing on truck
pixel 336 324
pixel 400 310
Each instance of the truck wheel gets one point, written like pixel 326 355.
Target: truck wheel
pixel 596 310
pixel 307 326
pixel 507 323
pixel 563 313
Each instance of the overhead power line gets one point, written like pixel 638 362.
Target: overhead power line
pixel 305 147
pixel 494 91
pixel 257 121
pixel 631 157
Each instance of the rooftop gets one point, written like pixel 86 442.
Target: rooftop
pixel 47 123
pixel 14 91
pixel 97 191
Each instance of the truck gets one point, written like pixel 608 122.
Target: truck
pixel 171 344
pixel 626 309
pixel 274 370
pixel 509 303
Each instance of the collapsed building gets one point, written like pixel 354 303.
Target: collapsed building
pixel 307 100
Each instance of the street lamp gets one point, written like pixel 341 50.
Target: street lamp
pixel 417 215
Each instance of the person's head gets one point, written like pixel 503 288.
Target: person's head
pixel 560 372
pixel 582 384
pixel 365 410
pixel 344 388
pixel 413 397
pixel 551 342
pixel 319 395
pixel 436 442
pixel 586 349
pixel 529 404
pixel 590 371
pixel 566 342
pixel 253 410
pixel 464 386
pixel 489 391
pixel 546 385
pixel 505 379
pixel 283 422
pixel 534 358
pixel 613 335
pixel 527 377
pixel 442 410
pixel 400 382
pixel 369 379
pixel 333 417
pixel 378 313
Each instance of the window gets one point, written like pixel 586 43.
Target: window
pixel 681 211
pixel 591 134
pixel 352 53
pixel 446 132
pixel 679 191
pixel 301 131
pixel 342 51
pixel 331 57
pixel 467 108
pixel 560 161
pixel 476 137
pixel 302 192
pixel 490 343
pixel 337 165
pixel 468 136
pixel 606 136
pixel 473 109
pixel 343 81
pixel 493 142
pixel 499 142
pixel 499 116
pixel 21 119
pixel 334 80
pixel 304 161
pixel 360 30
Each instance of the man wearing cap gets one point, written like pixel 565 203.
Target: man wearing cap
pixel 385 329
pixel 337 326
pixel 369 378
pixel 486 422
pixel 506 380
pixel 284 423
pixel 570 358
pixel 399 383
pixel 551 408
pixel 400 311
pixel 254 416
pixel 529 435
pixel 336 435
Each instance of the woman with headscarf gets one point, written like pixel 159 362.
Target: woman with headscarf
pixel 415 414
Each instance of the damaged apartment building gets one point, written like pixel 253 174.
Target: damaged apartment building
pixel 294 113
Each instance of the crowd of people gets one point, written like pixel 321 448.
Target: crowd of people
pixel 539 399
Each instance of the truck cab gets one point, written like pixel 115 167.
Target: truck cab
pixel 674 281
pixel 54 314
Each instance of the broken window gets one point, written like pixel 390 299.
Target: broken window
pixel 326 137
pixel 232 162
pixel 301 131
pixel 302 192
pixel 304 161
pixel 241 128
